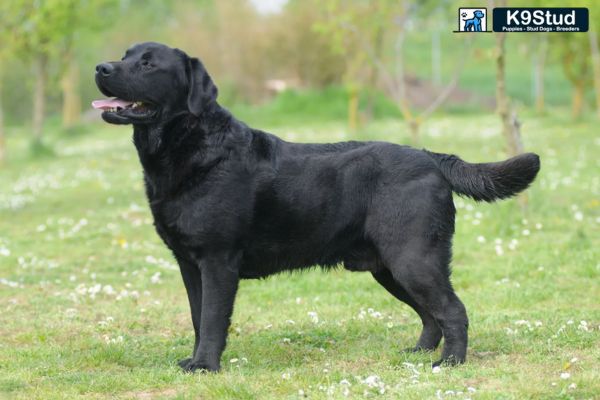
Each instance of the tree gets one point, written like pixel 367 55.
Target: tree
pixel 4 51
pixel 44 31
pixel 81 18
pixel 574 55
pixel 538 50
pixel 363 23
pixel 511 126
pixel 540 53
pixel 2 133
pixel 34 27
pixel 299 50
pixel 593 37
pixel 579 56
pixel 71 108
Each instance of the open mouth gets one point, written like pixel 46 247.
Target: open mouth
pixel 119 111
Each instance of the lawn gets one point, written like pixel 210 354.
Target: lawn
pixel 92 304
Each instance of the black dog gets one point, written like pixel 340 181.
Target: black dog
pixel 233 202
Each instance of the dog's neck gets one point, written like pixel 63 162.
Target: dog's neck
pixel 179 142
pixel 153 140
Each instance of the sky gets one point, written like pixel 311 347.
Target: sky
pixel 268 6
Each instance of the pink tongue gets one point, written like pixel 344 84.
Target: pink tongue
pixel 106 104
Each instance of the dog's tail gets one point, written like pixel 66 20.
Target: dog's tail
pixel 488 181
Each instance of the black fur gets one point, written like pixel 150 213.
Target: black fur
pixel 488 181
pixel 233 202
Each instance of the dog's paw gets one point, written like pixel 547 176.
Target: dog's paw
pixel 183 363
pixel 191 366
pixel 417 349
pixel 448 361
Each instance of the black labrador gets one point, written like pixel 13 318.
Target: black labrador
pixel 233 202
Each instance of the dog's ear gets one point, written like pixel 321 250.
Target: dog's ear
pixel 202 91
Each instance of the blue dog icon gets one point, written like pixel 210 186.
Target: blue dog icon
pixel 473 24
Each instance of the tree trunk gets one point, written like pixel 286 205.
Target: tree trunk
pixel 538 71
pixel 511 127
pixel 510 123
pixel 436 57
pixel 353 110
pixel 39 95
pixel 578 98
pixel 374 75
pixel 596 63
pixel 400 92
pixel 414 125
pixel 71 107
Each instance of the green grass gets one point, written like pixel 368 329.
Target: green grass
pixel 291 107
pixel 92 304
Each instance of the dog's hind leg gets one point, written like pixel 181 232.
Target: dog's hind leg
pixel 411 226
pixel 424 275
pixel 431 334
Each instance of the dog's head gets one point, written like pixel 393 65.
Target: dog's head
pixel 478 14
pixel 153 83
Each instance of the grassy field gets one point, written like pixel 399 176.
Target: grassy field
pixel 93 306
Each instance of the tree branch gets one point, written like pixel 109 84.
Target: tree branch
pixel 441 98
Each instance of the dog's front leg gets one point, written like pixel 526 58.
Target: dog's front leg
pixel 192 279
pixel 220 278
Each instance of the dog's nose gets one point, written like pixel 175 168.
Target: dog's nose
pixel 105 69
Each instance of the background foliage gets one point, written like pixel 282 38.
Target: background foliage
pixel 92 304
